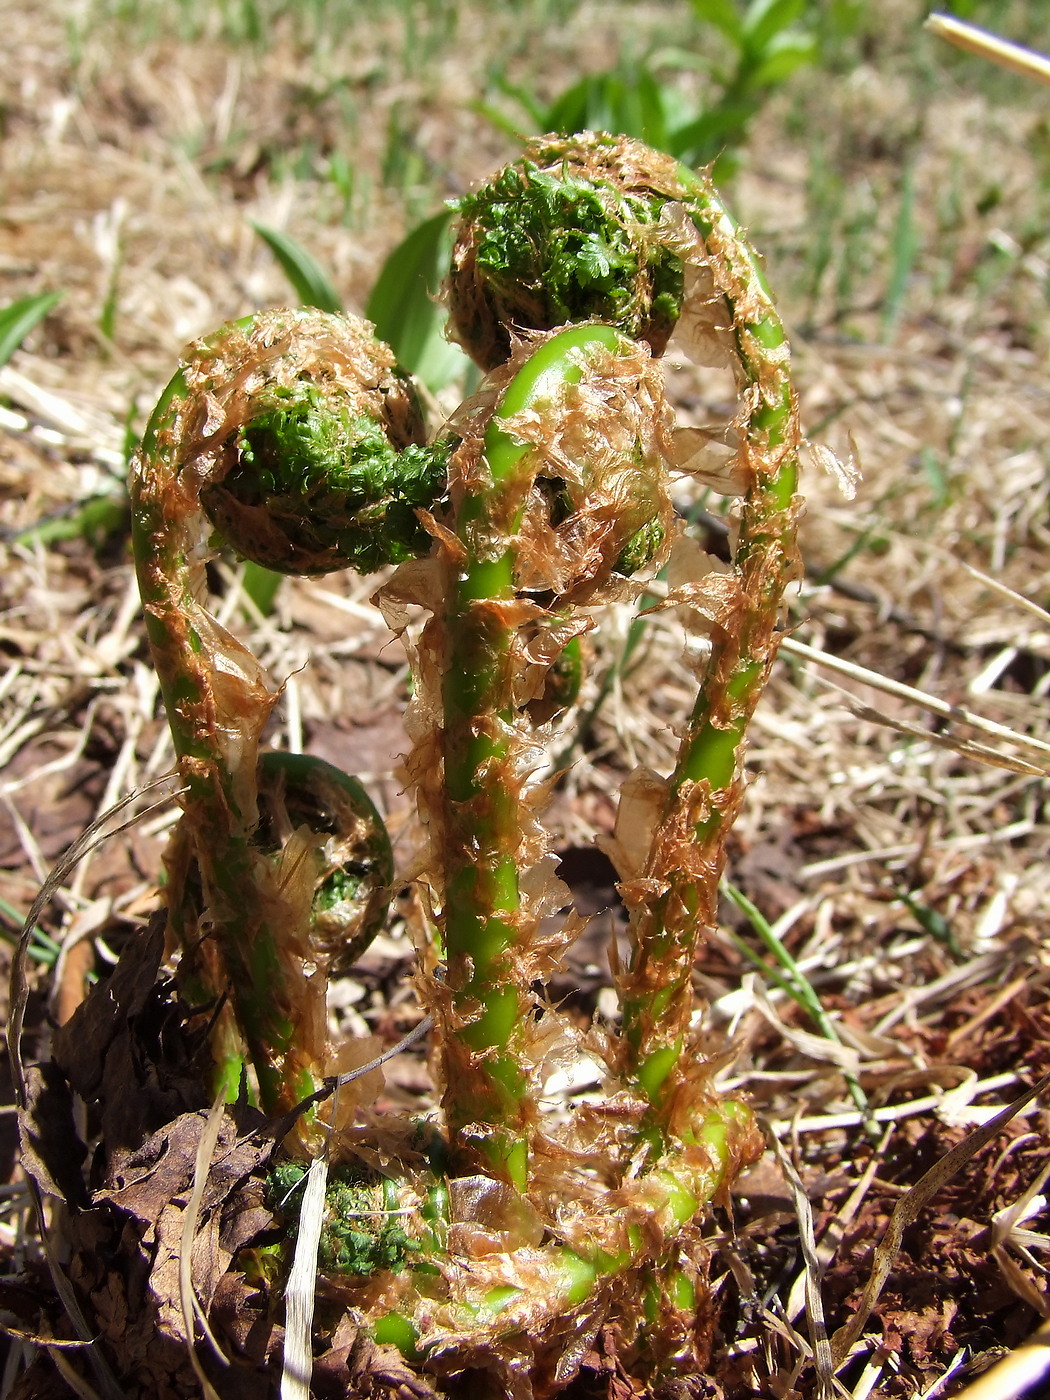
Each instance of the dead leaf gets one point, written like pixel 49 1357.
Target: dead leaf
pixel 52 1152
pixel 82 1045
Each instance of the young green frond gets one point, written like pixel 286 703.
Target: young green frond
pixel 570 232
pixel 313 812
pixel 314 487
pixel 311 456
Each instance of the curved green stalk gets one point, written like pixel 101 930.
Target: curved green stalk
pixel 271 430
pixel 688 852
pixel 595 225
pixel 486 931
pixel 476 1304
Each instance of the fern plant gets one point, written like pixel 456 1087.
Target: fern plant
pixel 294 436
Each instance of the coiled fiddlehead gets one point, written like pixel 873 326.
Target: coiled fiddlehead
pixel 284 432
pixel 650 246
pixel 570 232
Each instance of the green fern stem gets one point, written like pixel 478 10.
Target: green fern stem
pixel 483 921
pixel 440 1305
pixel 705 788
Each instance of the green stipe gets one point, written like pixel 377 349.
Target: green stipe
pixel 393 1329
pixel 654 1069
pixel 482 897
pixel 655 1009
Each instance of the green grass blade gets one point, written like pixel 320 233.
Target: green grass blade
pixel 745 950
pixel 831 571
pixel 94 521
pixel 302 269
pixel 18 319
pixel 523 98
pixel 42 947
pixel 791 980
pixel 905 251
pixel 800 988
pixel 713 132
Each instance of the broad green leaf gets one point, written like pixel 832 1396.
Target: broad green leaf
pixel 645 104
pixel 404 310
pixel 302 269
pixel 765 19
pixel 782 57
pixel 675 57
pixel 18 319
pixel 722 14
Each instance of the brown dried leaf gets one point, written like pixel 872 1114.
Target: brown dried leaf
pixel 909 1206
pixel 83 1044
pixel 143 1181
pixel 52 1152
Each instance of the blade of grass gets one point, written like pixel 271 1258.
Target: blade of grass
pixel 42 947
pixel 94 521
pixel 905 250
pixel 18 319
pixel 933 922
pixel 795 983
pixel 302 269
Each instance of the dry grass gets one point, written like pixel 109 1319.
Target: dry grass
pixel 910 883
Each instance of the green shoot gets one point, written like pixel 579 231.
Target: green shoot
pixel 43 949
pixel 933 922
pixel 789 978
pixel 304 272
pixel 20 317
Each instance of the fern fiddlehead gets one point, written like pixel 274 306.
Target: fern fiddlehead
pixel 284 433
